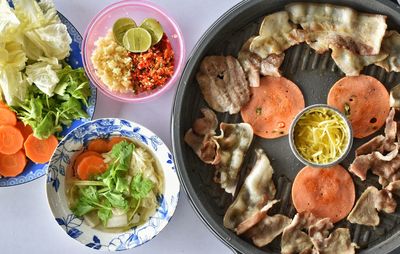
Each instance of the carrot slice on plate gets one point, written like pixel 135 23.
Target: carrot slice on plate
pixel 98 145
pixel 115 140
pixel 11 139
pixel 26 130
pixel 12 164
pixel 7 117
pixel 364 100
pixel 325 192
pixel 90 166
pixel 40 150
pixel 273 106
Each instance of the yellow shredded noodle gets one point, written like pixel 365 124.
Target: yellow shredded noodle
pixel 321 135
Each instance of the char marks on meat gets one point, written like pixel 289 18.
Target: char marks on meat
pixel 380 155
pixel 394 187
pixel 318 240
pixel 225 151
pixel 276 35
pixel 234 141
pixel 391 45
pixel 330 26
pixel 251 64
pixel 345 31
pixel 223 83
pixel 251 203
pixel 352 63
pixel 199 137
pixel 339 241
pixel 294 240
pixel 372 200
pixel 268 229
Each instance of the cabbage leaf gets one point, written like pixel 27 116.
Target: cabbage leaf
pixel 44 74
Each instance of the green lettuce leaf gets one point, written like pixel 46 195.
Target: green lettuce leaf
pixel 47 115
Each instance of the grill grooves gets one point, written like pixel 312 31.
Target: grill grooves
pixel 299 60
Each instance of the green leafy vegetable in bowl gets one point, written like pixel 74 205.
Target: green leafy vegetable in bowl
pixel 124 195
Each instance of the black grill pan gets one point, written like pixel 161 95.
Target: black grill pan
pixel 314 74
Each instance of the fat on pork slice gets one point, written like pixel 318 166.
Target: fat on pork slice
pixel 391 46
pixel 254 66
pixel 354 44
pixel 352 63
pixel 294 239
pixel 223 83
pixel 380 155
pixel 277 33
pixel 199 137
pixel 225 151
pixel 327 26
pixel 372 200
pixel 318 240
pixel 268 229
pixel 233 142
pixel 264 54
pixel 255 197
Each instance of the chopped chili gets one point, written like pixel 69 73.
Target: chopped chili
pixel 153 68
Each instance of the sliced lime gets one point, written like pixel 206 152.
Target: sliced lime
pixel 155 29
pixel 120 27
pixel 137 40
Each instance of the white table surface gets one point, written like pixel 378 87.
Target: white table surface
pixel 26 222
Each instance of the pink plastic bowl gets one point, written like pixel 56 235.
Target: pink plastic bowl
pixel 138 11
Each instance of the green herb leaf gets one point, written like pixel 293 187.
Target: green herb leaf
pixel 82 208
pixel 140 187
pixel 121 155
pixel 38 109
pixel 104 215
pixel 116 200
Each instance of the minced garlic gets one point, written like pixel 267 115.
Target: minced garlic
pixel 112 64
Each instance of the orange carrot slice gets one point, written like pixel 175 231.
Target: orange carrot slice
pixel 38 150
pixel 3 105
pixel 325 192
pixel 364 99
pixel 98 145
pixel 90 166
pixel 7 117
pixel 11 139
pixel 115 140
pixel 273 106
pixel 85 154
pixel 12 164
pixel 26 130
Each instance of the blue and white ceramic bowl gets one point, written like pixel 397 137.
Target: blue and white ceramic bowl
pixel 74 226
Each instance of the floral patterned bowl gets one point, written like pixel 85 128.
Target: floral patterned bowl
pixel 74 226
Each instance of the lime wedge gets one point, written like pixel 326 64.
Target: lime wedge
pixel 137 40
pixel 120 27
pixel 155 29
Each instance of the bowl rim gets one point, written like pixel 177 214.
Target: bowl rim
pixel 313 164
pixel 178 68
pixel 173 172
